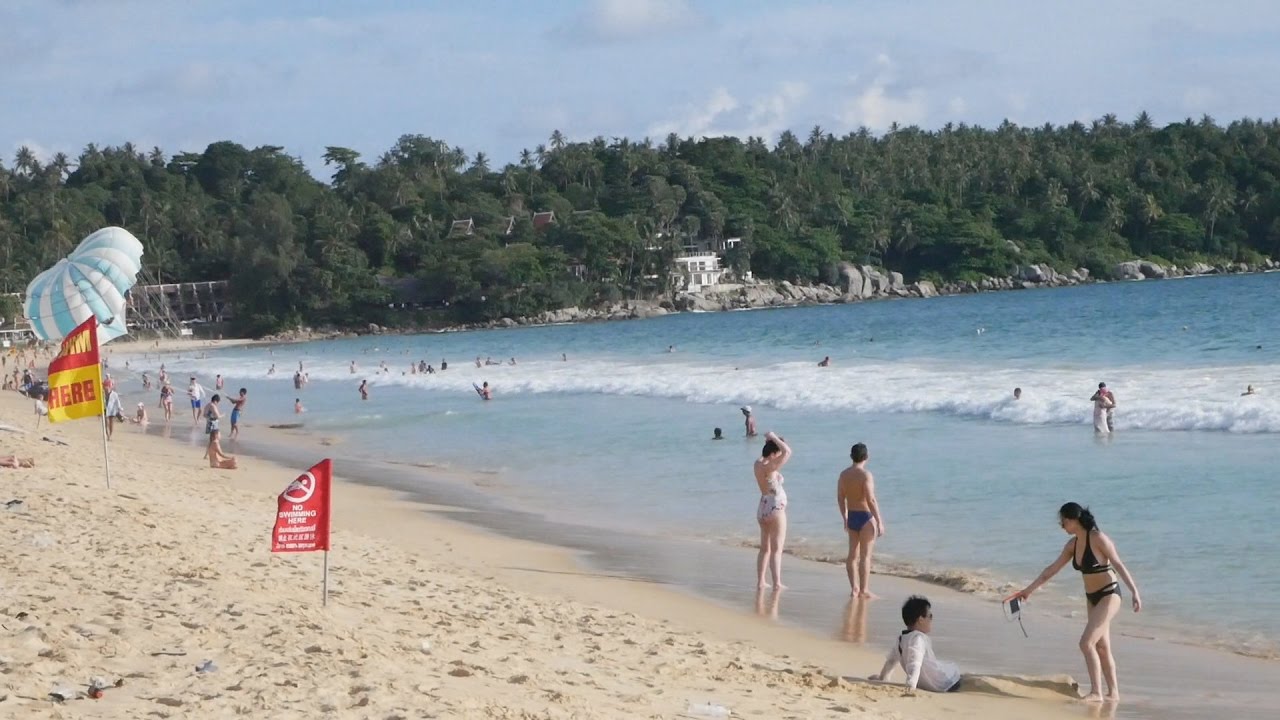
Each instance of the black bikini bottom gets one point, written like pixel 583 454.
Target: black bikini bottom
pixel 1096 596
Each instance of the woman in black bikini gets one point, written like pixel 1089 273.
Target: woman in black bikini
pixel 1093 554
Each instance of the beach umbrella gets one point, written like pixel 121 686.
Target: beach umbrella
pixel 90 282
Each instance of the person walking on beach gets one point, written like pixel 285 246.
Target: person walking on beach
pixel 860 517
pixel 364 389
pixel 237 407
pixel 166 400
pixel 771 513
pixel 1093 554
pixel 749 420
pixel 195 393
pixel 217 382
pixel 913 652
pixel 113 412
pixel 1103 404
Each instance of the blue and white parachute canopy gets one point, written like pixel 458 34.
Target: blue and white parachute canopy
pixel 90 282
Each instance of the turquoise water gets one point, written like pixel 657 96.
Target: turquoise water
pixel 619 435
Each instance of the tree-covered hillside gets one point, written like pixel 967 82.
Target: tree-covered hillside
pixel 956 203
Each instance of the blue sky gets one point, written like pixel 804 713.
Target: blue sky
pixel 500 75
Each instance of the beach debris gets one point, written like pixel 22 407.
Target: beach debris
pixel 98 684
pixel 21 616
pixel 169 651
pixel 426 647
pixel 710 710
pixel 55 441
pixel 207 666
pixel 14 504
pixel 62 694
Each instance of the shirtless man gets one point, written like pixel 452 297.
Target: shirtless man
pixel 860 517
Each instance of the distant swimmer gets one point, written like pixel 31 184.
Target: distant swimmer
pixel 353 367
pixel 1103 404
pixel 717 434
pixel 297 406
pixel 749 420
pixel 826 362
pixel 271 370
pixel 1249 391
pixel 1017 393
pixel 217 382
pixel 297 380
pixel 483 391
pixel 479 362
pixel 444 365
pixel 364 389
pixel 671 348
pixel 860 517
pixel 564 357
pixel 513 361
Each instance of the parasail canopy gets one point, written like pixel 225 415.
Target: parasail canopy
pixel 90 282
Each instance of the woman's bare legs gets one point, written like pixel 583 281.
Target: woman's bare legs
pixel 1095 639
pixel 762 558
pixel 773 535
pixel 779 541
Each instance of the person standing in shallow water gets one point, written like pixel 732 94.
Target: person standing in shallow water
pixel 771 513
pixel 749 421
pixel 1093 554
pixel 860 517
pixel 364 389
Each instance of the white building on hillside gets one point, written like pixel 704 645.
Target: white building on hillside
pixel 695 271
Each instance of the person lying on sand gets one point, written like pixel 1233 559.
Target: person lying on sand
pixel 13 461
pixel 913 650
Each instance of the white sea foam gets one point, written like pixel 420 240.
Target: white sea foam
pixel 1164 398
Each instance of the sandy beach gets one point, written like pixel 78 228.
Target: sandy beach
pixel 427 617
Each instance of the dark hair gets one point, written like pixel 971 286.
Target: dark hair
pixel 916 607
pixel 858 452
pixel 1101 385
pixel 243 390
pixel 216 397
pixel 1079 513
pixel 770 447
pixel 718 431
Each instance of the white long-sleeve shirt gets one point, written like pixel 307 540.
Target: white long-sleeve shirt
pixel 914 652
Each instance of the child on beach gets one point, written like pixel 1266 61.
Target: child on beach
pixel 913 651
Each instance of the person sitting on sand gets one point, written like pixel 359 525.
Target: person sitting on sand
pixel 218 459
pixel 913 651
pixel 140 417
pixel 15 462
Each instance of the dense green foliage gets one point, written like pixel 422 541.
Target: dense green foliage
pixel 955 203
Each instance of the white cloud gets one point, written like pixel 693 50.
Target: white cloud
pixel 956 107
pixel 879 103
pixel 607 20
pixel 723 114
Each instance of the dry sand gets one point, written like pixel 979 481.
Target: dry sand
pixel 427 618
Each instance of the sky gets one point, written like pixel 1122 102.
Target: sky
pixel 500 75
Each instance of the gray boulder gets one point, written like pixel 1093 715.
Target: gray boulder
pixel 1032 274
pixel 853 281
pixel 1151 270
pixel 925 289
pixel 1127 271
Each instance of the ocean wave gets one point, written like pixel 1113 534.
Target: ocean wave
pixel 1160 399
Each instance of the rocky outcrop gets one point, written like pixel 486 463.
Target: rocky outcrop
pixel 1151 270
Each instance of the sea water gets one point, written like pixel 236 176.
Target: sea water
pixel 618 435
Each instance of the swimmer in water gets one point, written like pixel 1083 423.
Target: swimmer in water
pixel 826 362
pixel 1017 393
pixel 717 434
pixel 297 406
pixel 749 420
pixel 364 389
pixel 1249 391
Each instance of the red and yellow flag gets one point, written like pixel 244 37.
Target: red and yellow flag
pixel 75 376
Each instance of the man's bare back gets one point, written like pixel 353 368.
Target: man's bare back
pixel 853 488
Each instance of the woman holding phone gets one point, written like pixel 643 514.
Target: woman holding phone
pixel 1093 554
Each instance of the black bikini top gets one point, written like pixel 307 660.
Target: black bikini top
pixel 1091 566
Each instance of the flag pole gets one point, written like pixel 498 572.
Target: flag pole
pixel 324 587
pixel 106 456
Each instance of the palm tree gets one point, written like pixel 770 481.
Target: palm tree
pixel 558 141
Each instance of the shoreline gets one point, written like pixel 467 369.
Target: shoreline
pixel 205 593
